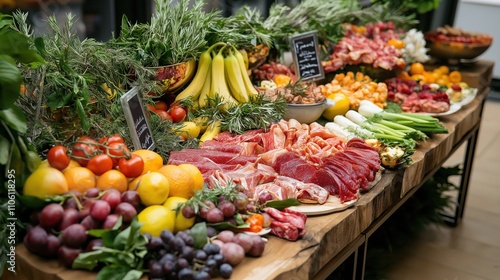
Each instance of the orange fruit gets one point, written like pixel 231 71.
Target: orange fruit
pixel 112 179
pixel 181 183
pixel 44 182
pixel 195 174
pixel 282 80
pixel 153 188
pixel 416 68
pixel 340 107
pixel 152 160
pixel 455 77
pixel 134 183
pixel 444 69
pixel 404 76
pixel 79 179
pixel 398 44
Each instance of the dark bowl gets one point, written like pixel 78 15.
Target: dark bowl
pixel 455 50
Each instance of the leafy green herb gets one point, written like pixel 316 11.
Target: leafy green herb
pixel 199 233
pixel 176 33
pixel 122 254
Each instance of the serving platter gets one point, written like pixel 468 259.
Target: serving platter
pixel 264 231
pixel 333 204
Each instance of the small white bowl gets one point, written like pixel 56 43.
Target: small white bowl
pixel 307 113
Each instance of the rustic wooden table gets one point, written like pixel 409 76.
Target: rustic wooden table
pixel 334 238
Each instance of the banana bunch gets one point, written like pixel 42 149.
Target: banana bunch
pixel 222 72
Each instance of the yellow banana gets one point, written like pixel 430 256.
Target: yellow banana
pixel 251 91
pixel 205 90
pixel 244 54
pixel 234 78
pixel 219 85
pixel 194 88
pixel 212 131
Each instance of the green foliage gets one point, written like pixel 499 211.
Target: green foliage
pixel 17 158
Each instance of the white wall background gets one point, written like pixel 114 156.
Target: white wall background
pixel 482 16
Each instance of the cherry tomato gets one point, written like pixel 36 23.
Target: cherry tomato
pixel 100 164
pixel 255 222
pixel 131 167
pixel 106 141
pixel 117 151
pixel 178 114
pixel 58 157
pixel 83 150
pixel 163 115
pixel 161 105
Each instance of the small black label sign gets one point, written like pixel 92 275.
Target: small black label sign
pixel 306 56
pixel 137 121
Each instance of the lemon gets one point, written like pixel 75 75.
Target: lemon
pixel 341 106
pixel 181 222
pixel 44 182
pixel 155 219
pixel 153 188
pixel 189 130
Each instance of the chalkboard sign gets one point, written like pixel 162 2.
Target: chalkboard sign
pixel 137 121
pixel 306 56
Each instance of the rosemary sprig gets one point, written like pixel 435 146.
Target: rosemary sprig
pixel 228 191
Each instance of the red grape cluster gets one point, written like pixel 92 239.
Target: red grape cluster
pixel 222 210
pixel 61 230
pixel 234 247
pixel 175 257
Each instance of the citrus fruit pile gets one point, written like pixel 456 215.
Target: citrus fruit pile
pixel 441 75
pixel 107 165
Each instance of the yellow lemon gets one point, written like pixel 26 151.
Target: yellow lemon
pixel 155 219
pixel 181 222
pixel 189 130
pixel 153 188
pixel 44 182
pixel 341 106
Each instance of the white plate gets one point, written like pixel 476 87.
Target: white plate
pixel 470 94
pixel 264 231
pixel 332 205
pixel 453 108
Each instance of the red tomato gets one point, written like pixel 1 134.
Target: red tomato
pixel 100 164
pixel 115 138
pixel 163 115
pixel 132 167
pixel 106 141
pixel 83 150
pixel 58 157
pixel 161 105
pixel 178 114
pixel 117 151
pixel 151 108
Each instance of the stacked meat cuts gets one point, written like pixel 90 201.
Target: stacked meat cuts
pixel 367 48
pixel 413 97
pixel 291 159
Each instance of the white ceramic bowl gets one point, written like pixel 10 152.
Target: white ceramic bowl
pixel 307 113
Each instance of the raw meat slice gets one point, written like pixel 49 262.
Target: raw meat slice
pixel 304 192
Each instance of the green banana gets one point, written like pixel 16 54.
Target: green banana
pixel 234 78
pixel 219 85
pixel 250 89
